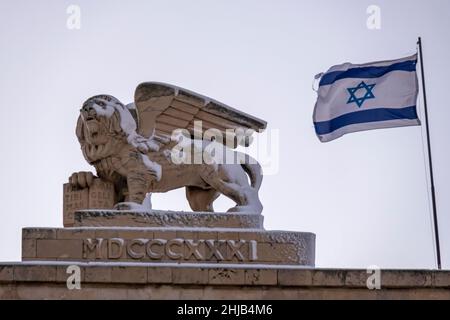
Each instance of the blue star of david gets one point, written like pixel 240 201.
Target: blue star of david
pixel 361 100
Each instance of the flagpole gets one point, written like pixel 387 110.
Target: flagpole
pixel 430 162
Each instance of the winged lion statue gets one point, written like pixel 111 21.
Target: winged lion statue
pixel 142 148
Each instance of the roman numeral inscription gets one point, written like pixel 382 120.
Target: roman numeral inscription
pixel 173 249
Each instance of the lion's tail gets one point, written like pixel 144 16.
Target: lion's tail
pixel 254 171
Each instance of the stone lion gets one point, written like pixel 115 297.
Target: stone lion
pixel 135 147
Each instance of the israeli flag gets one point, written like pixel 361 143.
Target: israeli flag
pixel 358 97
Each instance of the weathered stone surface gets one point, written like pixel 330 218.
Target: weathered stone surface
pixel 330 277
pixel 356 278
pixel 190 275
pixel 59 249
pixel 6 273
pixel 406 278
pixel 39 233
pixel 227 276
pixel 441 279
pixel 73 199
pixel 98 274
pixel 159 275
pixel 261 276
pixel 160 219
pixel 150 281
pixel 295 277
pixel 122 274
pixel 29 248
pixel 35 273
pixel 75 233
pixel 273 252
pixel 99 195
pixel 185 245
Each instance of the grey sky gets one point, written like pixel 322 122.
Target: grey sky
pixel 364 195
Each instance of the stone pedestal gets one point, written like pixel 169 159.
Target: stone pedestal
pixel 167 237
pixel 158 247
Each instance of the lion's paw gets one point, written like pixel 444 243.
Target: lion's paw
pixel 81 179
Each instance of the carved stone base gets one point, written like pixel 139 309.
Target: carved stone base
pixel 159 254
pixel 168 245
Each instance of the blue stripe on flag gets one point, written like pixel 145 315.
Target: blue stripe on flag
pixel 371 115
pixel 367 72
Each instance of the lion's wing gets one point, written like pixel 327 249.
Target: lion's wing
pixel 163 108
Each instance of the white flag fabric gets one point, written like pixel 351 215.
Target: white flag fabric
pixel 358 97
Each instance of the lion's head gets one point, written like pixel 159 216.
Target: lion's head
pixel 98 129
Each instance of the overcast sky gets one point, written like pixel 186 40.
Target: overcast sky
pixel 365 195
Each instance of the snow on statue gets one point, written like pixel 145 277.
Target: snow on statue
pixel 155 145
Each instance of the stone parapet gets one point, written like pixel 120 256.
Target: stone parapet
pixel 47 280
